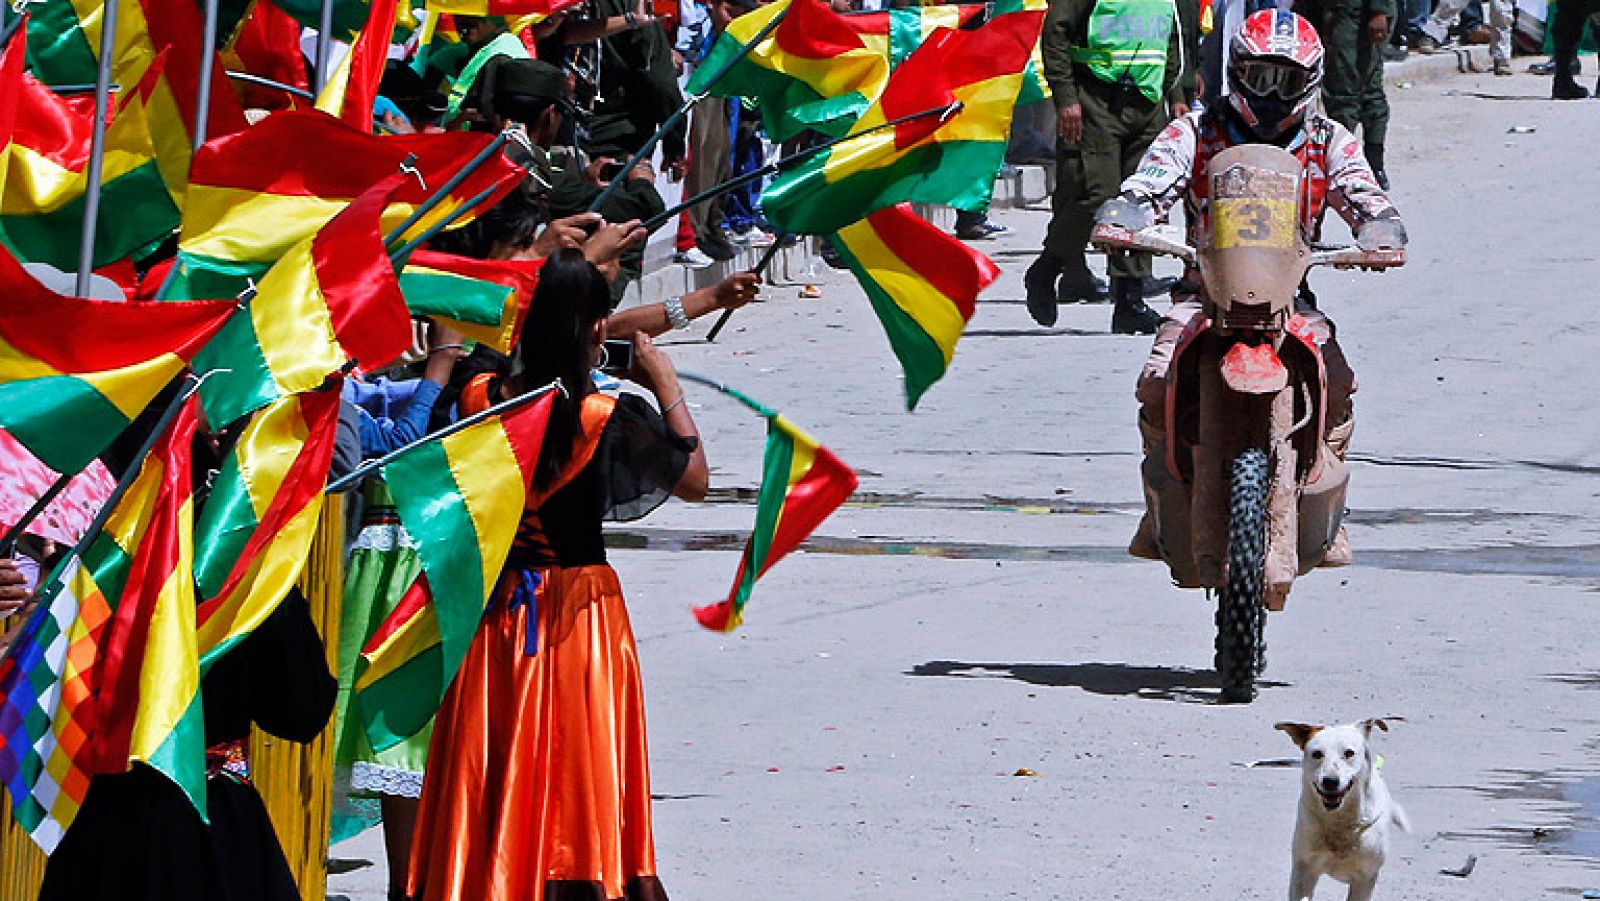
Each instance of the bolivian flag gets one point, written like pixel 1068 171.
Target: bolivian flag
pixel 802 482
pixel 75 372
pixel 256 527
pixel 948 160
pixel 542 9
pixel 461 498
pixel 330 300
pixel 104 673
pixel 897 33
pixel 47 179
pixel 353 87
pixel 922 283
pixel 485 300
pixel 254 195
pixel 812 71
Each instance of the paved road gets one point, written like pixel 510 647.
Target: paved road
pixel 860 737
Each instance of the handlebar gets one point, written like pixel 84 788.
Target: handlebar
pixel 1357 258
pixel 1115 237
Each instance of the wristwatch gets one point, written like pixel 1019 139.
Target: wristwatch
pixel 631 18
pixel 675 314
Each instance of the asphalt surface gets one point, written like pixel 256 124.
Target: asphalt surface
pixel 965 689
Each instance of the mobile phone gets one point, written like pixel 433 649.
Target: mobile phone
pixel 611 172
pixel 616 357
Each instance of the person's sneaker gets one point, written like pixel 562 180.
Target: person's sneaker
pixel 983 231
pixel 694 258
pixel 1155 287
pixel 1426 45
pixel 1081 287
pixel 1040 282
pixel 1502 68
pixel 1394 53
pixel 1134 319
pixel 1483 34
pixel 755 237
pixel 1548 67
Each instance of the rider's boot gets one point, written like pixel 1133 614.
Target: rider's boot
pixel 1079 285
pixel 1040 282
pixel 1338 441
pixel 1144 542
pixel 1131 315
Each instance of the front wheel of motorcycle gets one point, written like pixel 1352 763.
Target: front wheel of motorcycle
pixel 1241 613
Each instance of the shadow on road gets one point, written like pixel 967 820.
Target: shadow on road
pixel 1156 683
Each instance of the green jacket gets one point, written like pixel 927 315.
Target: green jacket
pixel 1066 25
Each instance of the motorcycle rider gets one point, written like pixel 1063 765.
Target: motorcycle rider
pixel 1274 68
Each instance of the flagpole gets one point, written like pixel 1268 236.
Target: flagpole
pixel 758 269
pixel 455 181
pixel 361 472
pixel 191 384
pixel 269 83
pixel 404 253
pixel 208 59
pixel 650 145
pixel 11 27
pixel 771 168
pixel 97 150
pixel 734 393
pixel 324 40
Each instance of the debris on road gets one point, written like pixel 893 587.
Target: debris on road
pixel 1466 868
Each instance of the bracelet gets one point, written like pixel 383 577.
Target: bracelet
pixel 675 312
pixel 631 19
pixel 438 347
pixel 672 406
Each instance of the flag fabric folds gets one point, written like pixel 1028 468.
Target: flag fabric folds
pixel 813 71
pixel 461 497
pixel 47 179
pixel 104 673
pixel 897 33
pixel 539 8
pixel 256 528
pixel 332 299
pixel 949 159
pixel 351 92
pixel 75 372
pixel 484 300
pixel 922 283
pixel 256 194
pixel 802 482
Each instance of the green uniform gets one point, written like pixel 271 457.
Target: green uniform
pixel 1352 80
pixel 1121 61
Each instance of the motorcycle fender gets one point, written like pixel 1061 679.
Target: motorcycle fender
pixel 1197 326
pixel 1254 369
pixel 1321 510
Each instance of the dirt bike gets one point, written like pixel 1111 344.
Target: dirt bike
pixel 1244 492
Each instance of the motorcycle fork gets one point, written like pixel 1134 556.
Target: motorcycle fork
pixel 1229 422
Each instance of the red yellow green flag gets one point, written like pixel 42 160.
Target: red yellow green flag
pixel 461 497
pixel 332 299
pixel 922 283
pixel 802 482
pixel 897 33
pixel 353 87
pixel 46 181
pixel 104 672
pixel 75 372
pixel 256 527
pixel 256 194
pixel 949 159
pixel 812 71
pixel 519 8
pixel 485 300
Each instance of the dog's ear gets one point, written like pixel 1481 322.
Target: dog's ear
pixel 1299 732
pixel 1383 723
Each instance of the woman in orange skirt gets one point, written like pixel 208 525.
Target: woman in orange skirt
pixel 538 783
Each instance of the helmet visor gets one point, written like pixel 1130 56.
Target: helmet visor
pixel 1264 78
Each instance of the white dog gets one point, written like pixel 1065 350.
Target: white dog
pixel 1346 813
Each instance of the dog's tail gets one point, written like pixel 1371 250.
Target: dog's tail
pixel 1398 815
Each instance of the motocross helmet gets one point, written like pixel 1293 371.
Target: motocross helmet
pixel 1274 68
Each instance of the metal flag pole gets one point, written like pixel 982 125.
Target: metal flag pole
pixel 455 181
pixel 404 252
pixel 97 150
pixel 324 44
pixel 269 83
pixel 672 120
pixel 758 269
pixel 208 63
pixel 360 472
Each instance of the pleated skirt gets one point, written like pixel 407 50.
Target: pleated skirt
pixel 538 783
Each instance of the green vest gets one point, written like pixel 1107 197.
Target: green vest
pixel 507 44
pixel 1128 39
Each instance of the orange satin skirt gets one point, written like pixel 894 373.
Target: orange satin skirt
pixel 538 784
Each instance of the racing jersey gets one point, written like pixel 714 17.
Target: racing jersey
pixel 1337 174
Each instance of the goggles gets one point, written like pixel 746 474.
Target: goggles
pixel 1263 78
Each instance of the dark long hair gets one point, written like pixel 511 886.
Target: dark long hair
pixel 572 296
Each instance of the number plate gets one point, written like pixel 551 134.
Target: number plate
pixel 1253 207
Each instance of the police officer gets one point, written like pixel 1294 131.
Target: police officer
pixel 1118 75
pixel 1354 32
